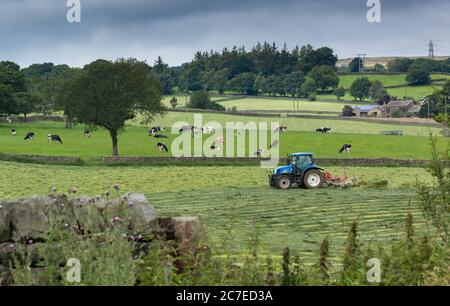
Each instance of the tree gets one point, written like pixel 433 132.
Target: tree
pixel 339 92
pixel 7 101
pixel 174 102
pixel 27 103
pixel 243 83
pixel 164 75
pixel 360 88
pixel 325 77
pixel 418 74
pixel 399 65
pixel 261 85
pixel 10 74
pixel 355 65
pixel 308 88
pixel 446 89
pixel 379 68
pixel 293 81
pixel 201 100
pixel 377 92
pixel 347 111
pixel 107 94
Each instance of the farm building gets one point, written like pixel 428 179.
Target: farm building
pixel 392 109
pixel 400 108
pixel 374 111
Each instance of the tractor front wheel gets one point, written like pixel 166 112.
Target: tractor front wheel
pixel 313 179
pixel 283 182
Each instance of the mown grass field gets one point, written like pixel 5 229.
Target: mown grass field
pixel 136 142
pixel 387 80
pixel 238 200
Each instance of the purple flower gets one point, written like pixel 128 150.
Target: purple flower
pixel 29 242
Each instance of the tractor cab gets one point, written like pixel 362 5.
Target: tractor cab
pixel 300 170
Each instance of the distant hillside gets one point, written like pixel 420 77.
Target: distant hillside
pixel 371 61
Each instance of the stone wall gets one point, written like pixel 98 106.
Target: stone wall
pixel 26 222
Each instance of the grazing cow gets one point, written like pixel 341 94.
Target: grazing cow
pixel 323 130
pixel 208 130
pixel 158 136
pixel 30 136
pixel 162 147
pixel 347 148
pixel 281 129
pixel 155 130
pixel 215 148
pixel 258 153
pixel 87 133
pixel 14 132
pixel 54 138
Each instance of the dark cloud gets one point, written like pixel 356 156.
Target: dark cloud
pixel 37 30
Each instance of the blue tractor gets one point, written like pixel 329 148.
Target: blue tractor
pixel 300 170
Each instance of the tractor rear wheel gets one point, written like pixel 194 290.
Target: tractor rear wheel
pixel 313 179
pixel 283 182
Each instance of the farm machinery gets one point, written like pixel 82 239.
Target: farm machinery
pixel 302 171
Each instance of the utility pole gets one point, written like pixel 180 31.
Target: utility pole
pixel 362 61
pixel 431 49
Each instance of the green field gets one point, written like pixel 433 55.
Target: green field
pixel 387 80
pixel 136 142
pixel 238 198
pixel 284 105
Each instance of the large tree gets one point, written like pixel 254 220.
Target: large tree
pixel 106 94
pixel 325 77
pixel 419 74
pixel 360 88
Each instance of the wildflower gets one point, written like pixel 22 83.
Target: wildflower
pixel 107 193
pixel 29 242
pixel 66 225
pixel 53 189
pixel 97 198
pixel 130 204
pixel 80 203
pixel 116 219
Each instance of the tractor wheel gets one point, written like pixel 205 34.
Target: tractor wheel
pixel 313 179
pixel 283 182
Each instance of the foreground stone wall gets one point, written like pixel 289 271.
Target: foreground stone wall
pixel 26 222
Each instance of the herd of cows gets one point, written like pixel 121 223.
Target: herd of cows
pixel 157 132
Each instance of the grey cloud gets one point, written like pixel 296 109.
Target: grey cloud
pixel 37 31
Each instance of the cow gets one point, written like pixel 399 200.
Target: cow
pixel 215 148
pixel 184 129
pixel 30 136
pixel 323 130
pixel 155 130
pixel 55 138
pixel 347 148
pixel 162 147
pixel 281 129
pixel 258 152
pixel 14 132
pixel 87 133
pixel 208 130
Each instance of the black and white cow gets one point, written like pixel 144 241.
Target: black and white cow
pixel 155 130
pixel 281 129
pixel 347 148
pixel 215 148
pixel 54 138
pixel 162 147
pixel 258 152
pixel 14 132
pixel 323 130
pixel 30 136
pixel 87 133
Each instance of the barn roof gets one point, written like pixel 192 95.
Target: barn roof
pixel 366 108
pixel 405 103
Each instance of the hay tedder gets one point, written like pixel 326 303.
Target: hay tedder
pixel 302 171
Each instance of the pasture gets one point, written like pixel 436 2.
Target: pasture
pixel 238 201
pixel 135 141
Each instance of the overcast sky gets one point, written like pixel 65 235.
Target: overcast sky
pixel 35 31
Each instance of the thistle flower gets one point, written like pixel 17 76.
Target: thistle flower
pixel 98 197
pixel 29 242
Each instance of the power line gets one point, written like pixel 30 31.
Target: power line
pixel 431 49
